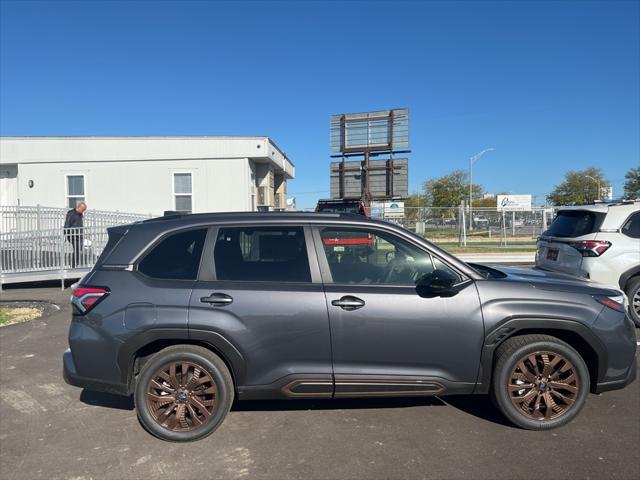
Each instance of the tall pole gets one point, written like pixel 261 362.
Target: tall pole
pixel 471 162
pixel 470 193
pixel 597 180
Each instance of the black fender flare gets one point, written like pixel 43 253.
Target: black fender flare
pixel 626 275
pixel 512 327
pixel 231 355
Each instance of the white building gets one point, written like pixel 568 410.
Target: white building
pixel 145 174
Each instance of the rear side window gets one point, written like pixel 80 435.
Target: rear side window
pixel 177 257
pixel 262 254
pixel 575 223
pixel 632 227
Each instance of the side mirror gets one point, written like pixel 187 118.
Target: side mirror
pixel 439 283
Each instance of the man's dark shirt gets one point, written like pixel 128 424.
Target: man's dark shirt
pixel 73 220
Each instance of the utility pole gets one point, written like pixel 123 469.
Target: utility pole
pixel 597 180
pixel 472 160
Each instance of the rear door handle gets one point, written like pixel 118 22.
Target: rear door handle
pixel 348 302
pixel 218 299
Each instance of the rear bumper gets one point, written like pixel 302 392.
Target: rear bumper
pixel 71 377
pixel 618 384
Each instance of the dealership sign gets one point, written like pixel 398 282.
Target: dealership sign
pixel 393 209
pixel 514 203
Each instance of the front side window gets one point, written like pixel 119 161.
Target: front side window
pixel 177 257
pixel 183 192
pixel 262 254
pixel 75 190
pixel 370 257
pixel 632 226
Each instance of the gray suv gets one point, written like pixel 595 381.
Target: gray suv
pixel 188 312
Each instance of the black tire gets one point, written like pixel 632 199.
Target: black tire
pixel 633 294
pixel 199 359
pixel 507 366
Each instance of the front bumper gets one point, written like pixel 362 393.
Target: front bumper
pixel 618 384
pixel 71 377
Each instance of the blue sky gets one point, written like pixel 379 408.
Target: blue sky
pixel 552 86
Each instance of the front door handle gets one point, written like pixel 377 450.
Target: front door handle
pixel 348 302
pixel 218 299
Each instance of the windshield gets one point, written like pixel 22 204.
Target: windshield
pixel 574 223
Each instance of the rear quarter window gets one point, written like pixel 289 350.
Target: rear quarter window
pixel 631 228
pixel 575 223
pixel 177 257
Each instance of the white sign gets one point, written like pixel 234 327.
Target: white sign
pixel 393 209
pixel 514 203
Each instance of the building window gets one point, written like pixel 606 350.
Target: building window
pixel 75 190
pixel 182 192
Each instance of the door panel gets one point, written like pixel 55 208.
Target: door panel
pixel 260 288
pixel 279 329
pixel 381 328
pixel 397 332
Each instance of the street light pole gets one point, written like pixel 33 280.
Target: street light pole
pixel 597 180
pixel 472 160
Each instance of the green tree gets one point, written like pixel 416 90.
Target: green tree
pixel 449 190
pixel 632 184
pixel 412 206
pixel 580 187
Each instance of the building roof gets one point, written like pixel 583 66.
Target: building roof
pixel 57 149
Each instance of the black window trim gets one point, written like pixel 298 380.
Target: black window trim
pixel 159 239
pixel 326 271
pixel 208 267
pixel 637 212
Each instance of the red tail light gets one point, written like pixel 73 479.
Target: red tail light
pixel 591 248
pixel 85 297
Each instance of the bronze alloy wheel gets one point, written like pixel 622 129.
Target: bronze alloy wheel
pixel 181 396
pixel 543 385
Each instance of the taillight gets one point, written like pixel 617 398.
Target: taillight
pixel 616 303
pixel 591 248
pixel 85 297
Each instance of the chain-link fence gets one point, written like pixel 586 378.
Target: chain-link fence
pixel 455 225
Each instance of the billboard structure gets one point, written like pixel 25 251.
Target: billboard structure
pixel 365 135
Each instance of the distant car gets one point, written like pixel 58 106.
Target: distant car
pixel 480 219
pixel 598 242
pixel 188 312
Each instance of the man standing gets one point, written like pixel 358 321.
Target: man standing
pixel 73 231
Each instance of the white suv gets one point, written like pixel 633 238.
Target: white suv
pixel 598 242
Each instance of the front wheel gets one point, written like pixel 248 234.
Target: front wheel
pixel 539 381
pixel 183 393
pixel 633 294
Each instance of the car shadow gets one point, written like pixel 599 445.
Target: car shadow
pixel 479 406
pixel 108 400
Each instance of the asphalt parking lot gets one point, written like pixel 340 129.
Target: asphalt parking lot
pixel 51 430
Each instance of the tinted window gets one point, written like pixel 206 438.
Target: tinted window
pixel 263 254
pixel 368 257
pixel 632 227
pixel 177 257
pixel 574 223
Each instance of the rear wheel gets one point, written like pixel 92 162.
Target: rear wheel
pixel 183 393
pixel 539 381
pixel 633 294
